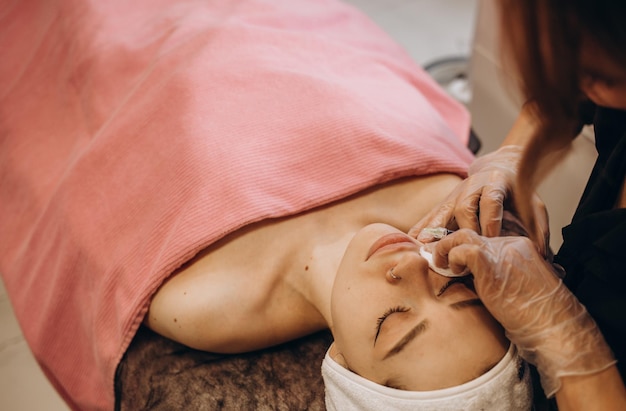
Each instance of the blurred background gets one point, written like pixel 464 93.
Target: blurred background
pixel 456 41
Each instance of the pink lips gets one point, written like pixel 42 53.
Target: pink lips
pixel 386 240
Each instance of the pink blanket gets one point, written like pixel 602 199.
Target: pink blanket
pixel 135 133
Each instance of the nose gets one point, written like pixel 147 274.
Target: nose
pixel 412 271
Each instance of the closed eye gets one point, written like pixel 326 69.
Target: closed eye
pixel 467 281
pixel 382 318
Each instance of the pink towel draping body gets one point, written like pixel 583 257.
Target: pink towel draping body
pixel 135 133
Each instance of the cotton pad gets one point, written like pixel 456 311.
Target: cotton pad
pixel 446 272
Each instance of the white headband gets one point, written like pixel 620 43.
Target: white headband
pixel 507 386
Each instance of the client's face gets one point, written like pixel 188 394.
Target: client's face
pixel 420 332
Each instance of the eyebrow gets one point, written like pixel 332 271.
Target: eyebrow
pixel 474 302
pixel 408 337
pixel 422 326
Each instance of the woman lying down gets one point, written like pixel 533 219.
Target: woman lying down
pixel 203 167
pixel 406 338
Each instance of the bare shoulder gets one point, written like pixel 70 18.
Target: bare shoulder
pixel 228 299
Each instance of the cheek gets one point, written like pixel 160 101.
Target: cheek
pixel 351 312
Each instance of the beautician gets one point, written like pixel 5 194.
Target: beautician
pixel 570 57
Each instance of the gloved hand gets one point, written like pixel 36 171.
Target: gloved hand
pixel 478 202
pixel 549 326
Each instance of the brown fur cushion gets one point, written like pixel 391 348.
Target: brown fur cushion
pixel 159 374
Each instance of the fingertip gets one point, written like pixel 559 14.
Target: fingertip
pixel 415 231
pixel 425 238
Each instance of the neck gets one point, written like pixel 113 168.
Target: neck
pixel 323 263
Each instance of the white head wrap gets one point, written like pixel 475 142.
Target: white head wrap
pixel 507 386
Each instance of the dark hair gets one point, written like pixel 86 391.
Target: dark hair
pixel 542 41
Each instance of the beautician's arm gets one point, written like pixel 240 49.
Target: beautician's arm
pixel 522 130
pixel 601 391
pixel 478 202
